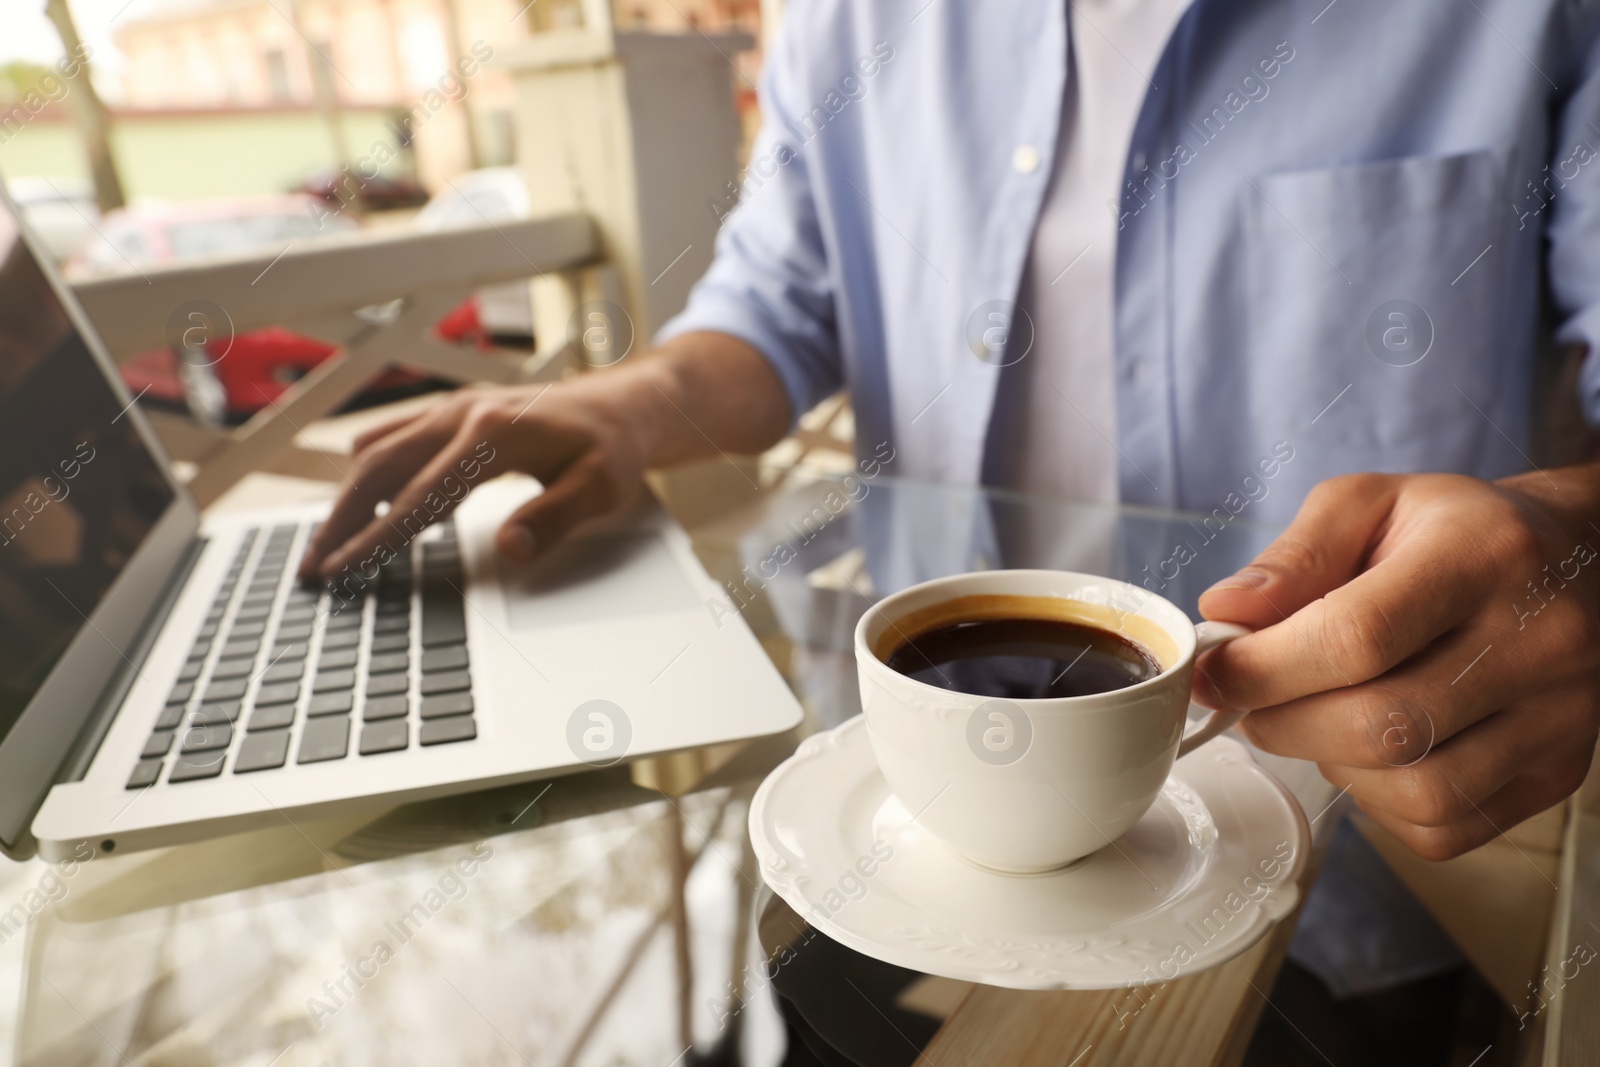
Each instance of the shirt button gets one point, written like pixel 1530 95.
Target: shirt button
pixel 1138 161
pixel 1025 159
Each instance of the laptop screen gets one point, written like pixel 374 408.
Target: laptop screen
pixel 79 490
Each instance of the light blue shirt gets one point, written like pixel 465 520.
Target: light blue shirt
pixel 1341 227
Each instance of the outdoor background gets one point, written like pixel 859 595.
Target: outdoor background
pixel 211 98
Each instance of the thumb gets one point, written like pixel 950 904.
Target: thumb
pixel 585 490
pixel 1326 546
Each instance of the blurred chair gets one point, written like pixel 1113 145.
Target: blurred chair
pixel 376 296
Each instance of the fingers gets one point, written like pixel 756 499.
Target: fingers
pixel 382 466
pixel 585 490
pixel 1482 773
pixel 430 495
pixel 371 437
pixel 1322 549
pixel 1353 634
pixel 1393 720
pixel 1524 797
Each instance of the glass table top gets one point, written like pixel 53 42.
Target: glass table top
pixel 612 917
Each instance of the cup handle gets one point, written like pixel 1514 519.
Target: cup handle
pixel 1209 635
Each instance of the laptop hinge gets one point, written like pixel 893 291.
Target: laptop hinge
pixel 83 750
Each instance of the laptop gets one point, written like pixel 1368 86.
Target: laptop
pixel 164 678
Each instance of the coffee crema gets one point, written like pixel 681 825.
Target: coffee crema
pixel 1017 648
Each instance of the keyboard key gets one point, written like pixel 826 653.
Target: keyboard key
pixel 390 642
pixel 194 765
pixel 145 772
pixel 296 632
pixel 262 751
pixel 281 693
pixel 253 611
pixel 302 614
pixel 384 662
pixel 445 682
pixel 229 689
pixel 233 668
pixel 242 630
pixel 342 639
pixel 348 619
pixel 272 717
pixel 170 716
pixel 325 739
pixel 446 704
pixel 331 703
pixel 191 670
pixel 391 735
pixel 180 693
pixel 208 630
pixel 444 731
pixel 211 714
pixel 388 606
pixel 442 567
pixel 336 659
pixel 391 624
pixel 445 658
pixel 201 647
pixel 327 681
pixel 158 744
pixel 205 738
pixel 287 671
pixel 444 620
pixel 288 650
pixel 380 685
pixel 391 707
pixel 234 649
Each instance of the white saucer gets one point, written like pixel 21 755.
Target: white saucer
pixel 1207 871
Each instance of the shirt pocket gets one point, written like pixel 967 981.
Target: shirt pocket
pixel 1377 289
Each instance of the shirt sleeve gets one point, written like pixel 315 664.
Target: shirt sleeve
pixel 769 283
pixel 1572 184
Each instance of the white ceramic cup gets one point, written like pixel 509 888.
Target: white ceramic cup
pixel 1031 785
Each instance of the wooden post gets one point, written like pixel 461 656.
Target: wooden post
pixel 93 123
pixel 452 39
pixel 327 99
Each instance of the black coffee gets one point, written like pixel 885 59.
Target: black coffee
pixel 1023 659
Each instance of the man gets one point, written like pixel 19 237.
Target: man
pixel 1331 234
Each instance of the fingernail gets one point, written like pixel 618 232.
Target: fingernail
pixel 1249 578
pixel 518 543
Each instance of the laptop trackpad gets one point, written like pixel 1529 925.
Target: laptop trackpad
pixel 601 577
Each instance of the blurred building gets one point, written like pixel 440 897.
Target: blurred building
pixel 431 60
pixel 428 60
pixel 231 97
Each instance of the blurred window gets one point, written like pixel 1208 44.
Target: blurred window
pixel 277 74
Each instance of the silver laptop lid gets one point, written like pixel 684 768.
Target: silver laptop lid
pixel 93 528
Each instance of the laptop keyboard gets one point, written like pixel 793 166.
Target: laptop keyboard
pixel 282 671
